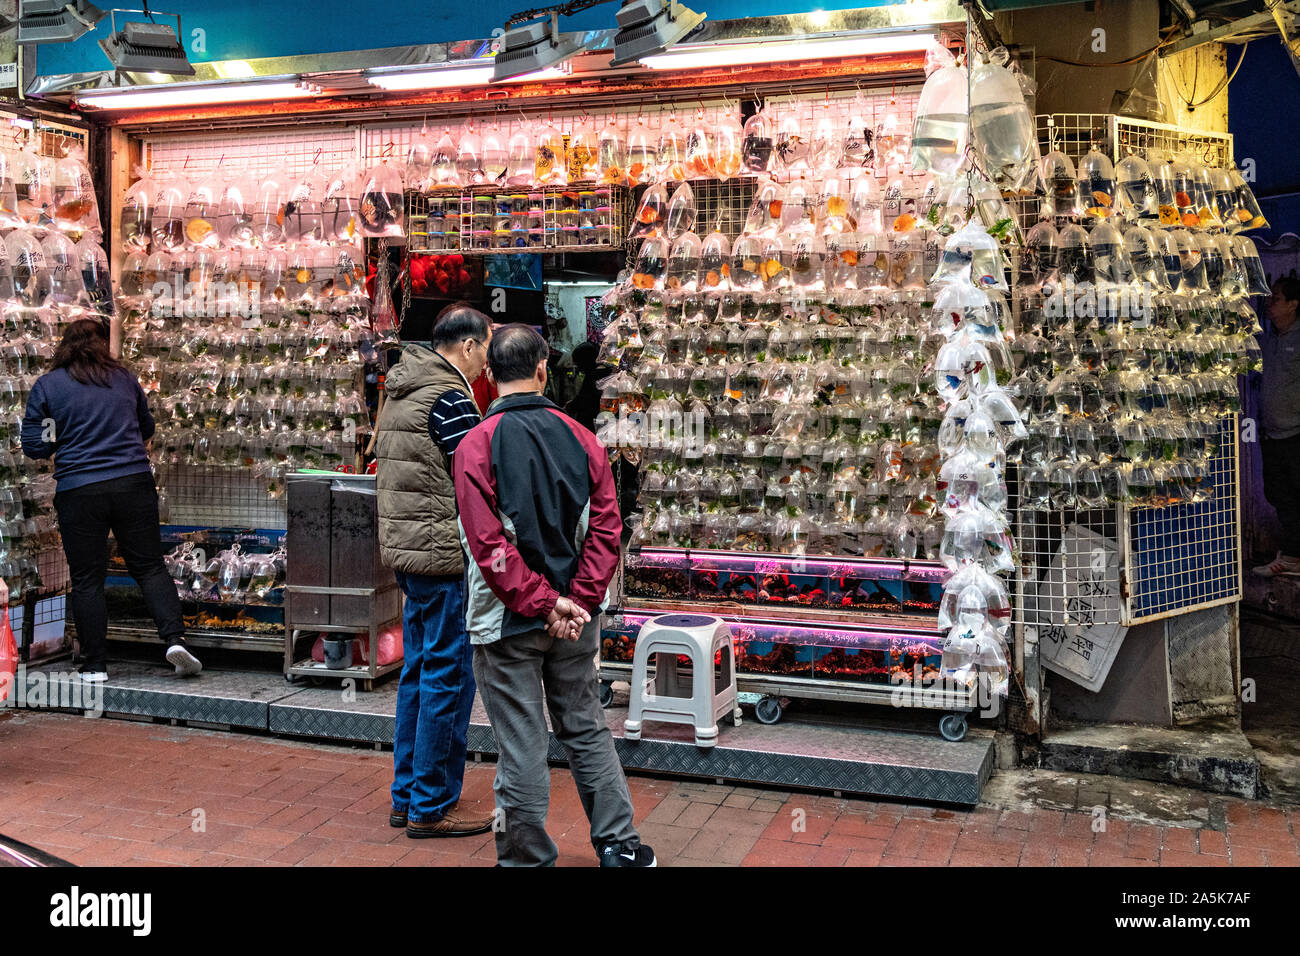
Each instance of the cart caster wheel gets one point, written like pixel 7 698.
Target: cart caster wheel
pixel 768 710
pixel 606 693
pixel 952 726
pixel 292 679
pixel 318 681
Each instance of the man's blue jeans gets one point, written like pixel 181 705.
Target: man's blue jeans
pixel 434 697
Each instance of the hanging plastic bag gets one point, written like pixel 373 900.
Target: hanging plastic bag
pixel 1097 185
pixel 167 223
pixel 681 213
pixel 1062 183
pixel 758 143
pixel 339 206
pixel 725 154
pixel 651 264
pixel 95 275
pixel 642 156
pixel 1137 190
pixel 671 154
pixel 9 217
pixel 581 157
pixel 766 209
pixel 684 263
pixel 443 172
pixel 8 657
pixel 549 168
pixel 137 212
pixel 495 157
pixel 611 155
pixel 521 160
pixel 380 209
pixel 792 143
pixel 857 148
pixel 1246 253
pixel 418 173
pixel 1001 125
pixel 469 159
pixel 940 130
pixel 715 263
pixel 652 215
pixel 971 254
pixel 1247 214
pixel 75 208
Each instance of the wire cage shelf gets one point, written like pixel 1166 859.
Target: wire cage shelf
pixel 1169 560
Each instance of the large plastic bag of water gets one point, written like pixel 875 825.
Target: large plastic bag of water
pixel 940 131
pixel 1001 124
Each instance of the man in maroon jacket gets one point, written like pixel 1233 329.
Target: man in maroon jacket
pixel 540 523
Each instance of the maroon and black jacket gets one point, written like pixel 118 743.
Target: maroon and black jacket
pixel 539 517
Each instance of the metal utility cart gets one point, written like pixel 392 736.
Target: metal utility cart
pixel 316 670
pixel 336 582
pixel 860 630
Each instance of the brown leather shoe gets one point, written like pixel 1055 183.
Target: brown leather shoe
pixel 455 823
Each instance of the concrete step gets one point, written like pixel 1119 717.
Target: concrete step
pixel 1214 756
pixel 866 757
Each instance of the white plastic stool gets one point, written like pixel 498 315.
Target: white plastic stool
pixel 699 637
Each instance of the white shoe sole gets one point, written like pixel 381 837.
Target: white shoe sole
pixel 93 677
pixel 186 664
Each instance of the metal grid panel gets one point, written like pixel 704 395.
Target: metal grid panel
pixel 490 221
pixel 1175 559
pixel 217 497
pixel 1188 556
pixel 289 152
pixel 1118 136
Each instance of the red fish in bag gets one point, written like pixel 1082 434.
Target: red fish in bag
pixel 8 657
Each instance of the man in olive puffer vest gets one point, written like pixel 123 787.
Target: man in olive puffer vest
pixel 429 408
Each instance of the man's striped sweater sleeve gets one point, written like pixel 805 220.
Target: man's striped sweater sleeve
pixel 450 419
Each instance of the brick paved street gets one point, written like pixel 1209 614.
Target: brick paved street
pixel 116 792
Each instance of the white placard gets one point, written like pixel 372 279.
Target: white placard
pixel 1079 609
pixel 8 74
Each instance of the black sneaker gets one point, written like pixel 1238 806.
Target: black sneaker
pixel 617 854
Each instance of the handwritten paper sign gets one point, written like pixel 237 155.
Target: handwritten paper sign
pixel 1078 613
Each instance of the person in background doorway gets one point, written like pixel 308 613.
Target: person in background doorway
pixel 428 409
pixel 1279 422
pixel 541 527
pixel 585 404
pixel 90 414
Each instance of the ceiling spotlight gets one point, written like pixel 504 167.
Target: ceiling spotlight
pixel 531 47
pixel 651 26
pixel 56 21
pixel 147 48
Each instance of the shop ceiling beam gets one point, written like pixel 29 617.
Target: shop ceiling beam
pixel 1249 24
pixel 593 92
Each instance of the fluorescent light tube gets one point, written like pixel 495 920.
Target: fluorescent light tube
pixel 183 94
pixel 433 79
pixel 693 56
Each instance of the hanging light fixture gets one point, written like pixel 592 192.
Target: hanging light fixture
pixel 56 21
pixel 147 47
pixel 535 46
pixel 646 27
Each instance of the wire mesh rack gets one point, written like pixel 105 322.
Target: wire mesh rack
pixel 219 497
pixel 1185 557
pixel 289 152
pixel 583 217
pixel 1075 134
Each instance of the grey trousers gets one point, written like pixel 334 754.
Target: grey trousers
pixel 513 675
